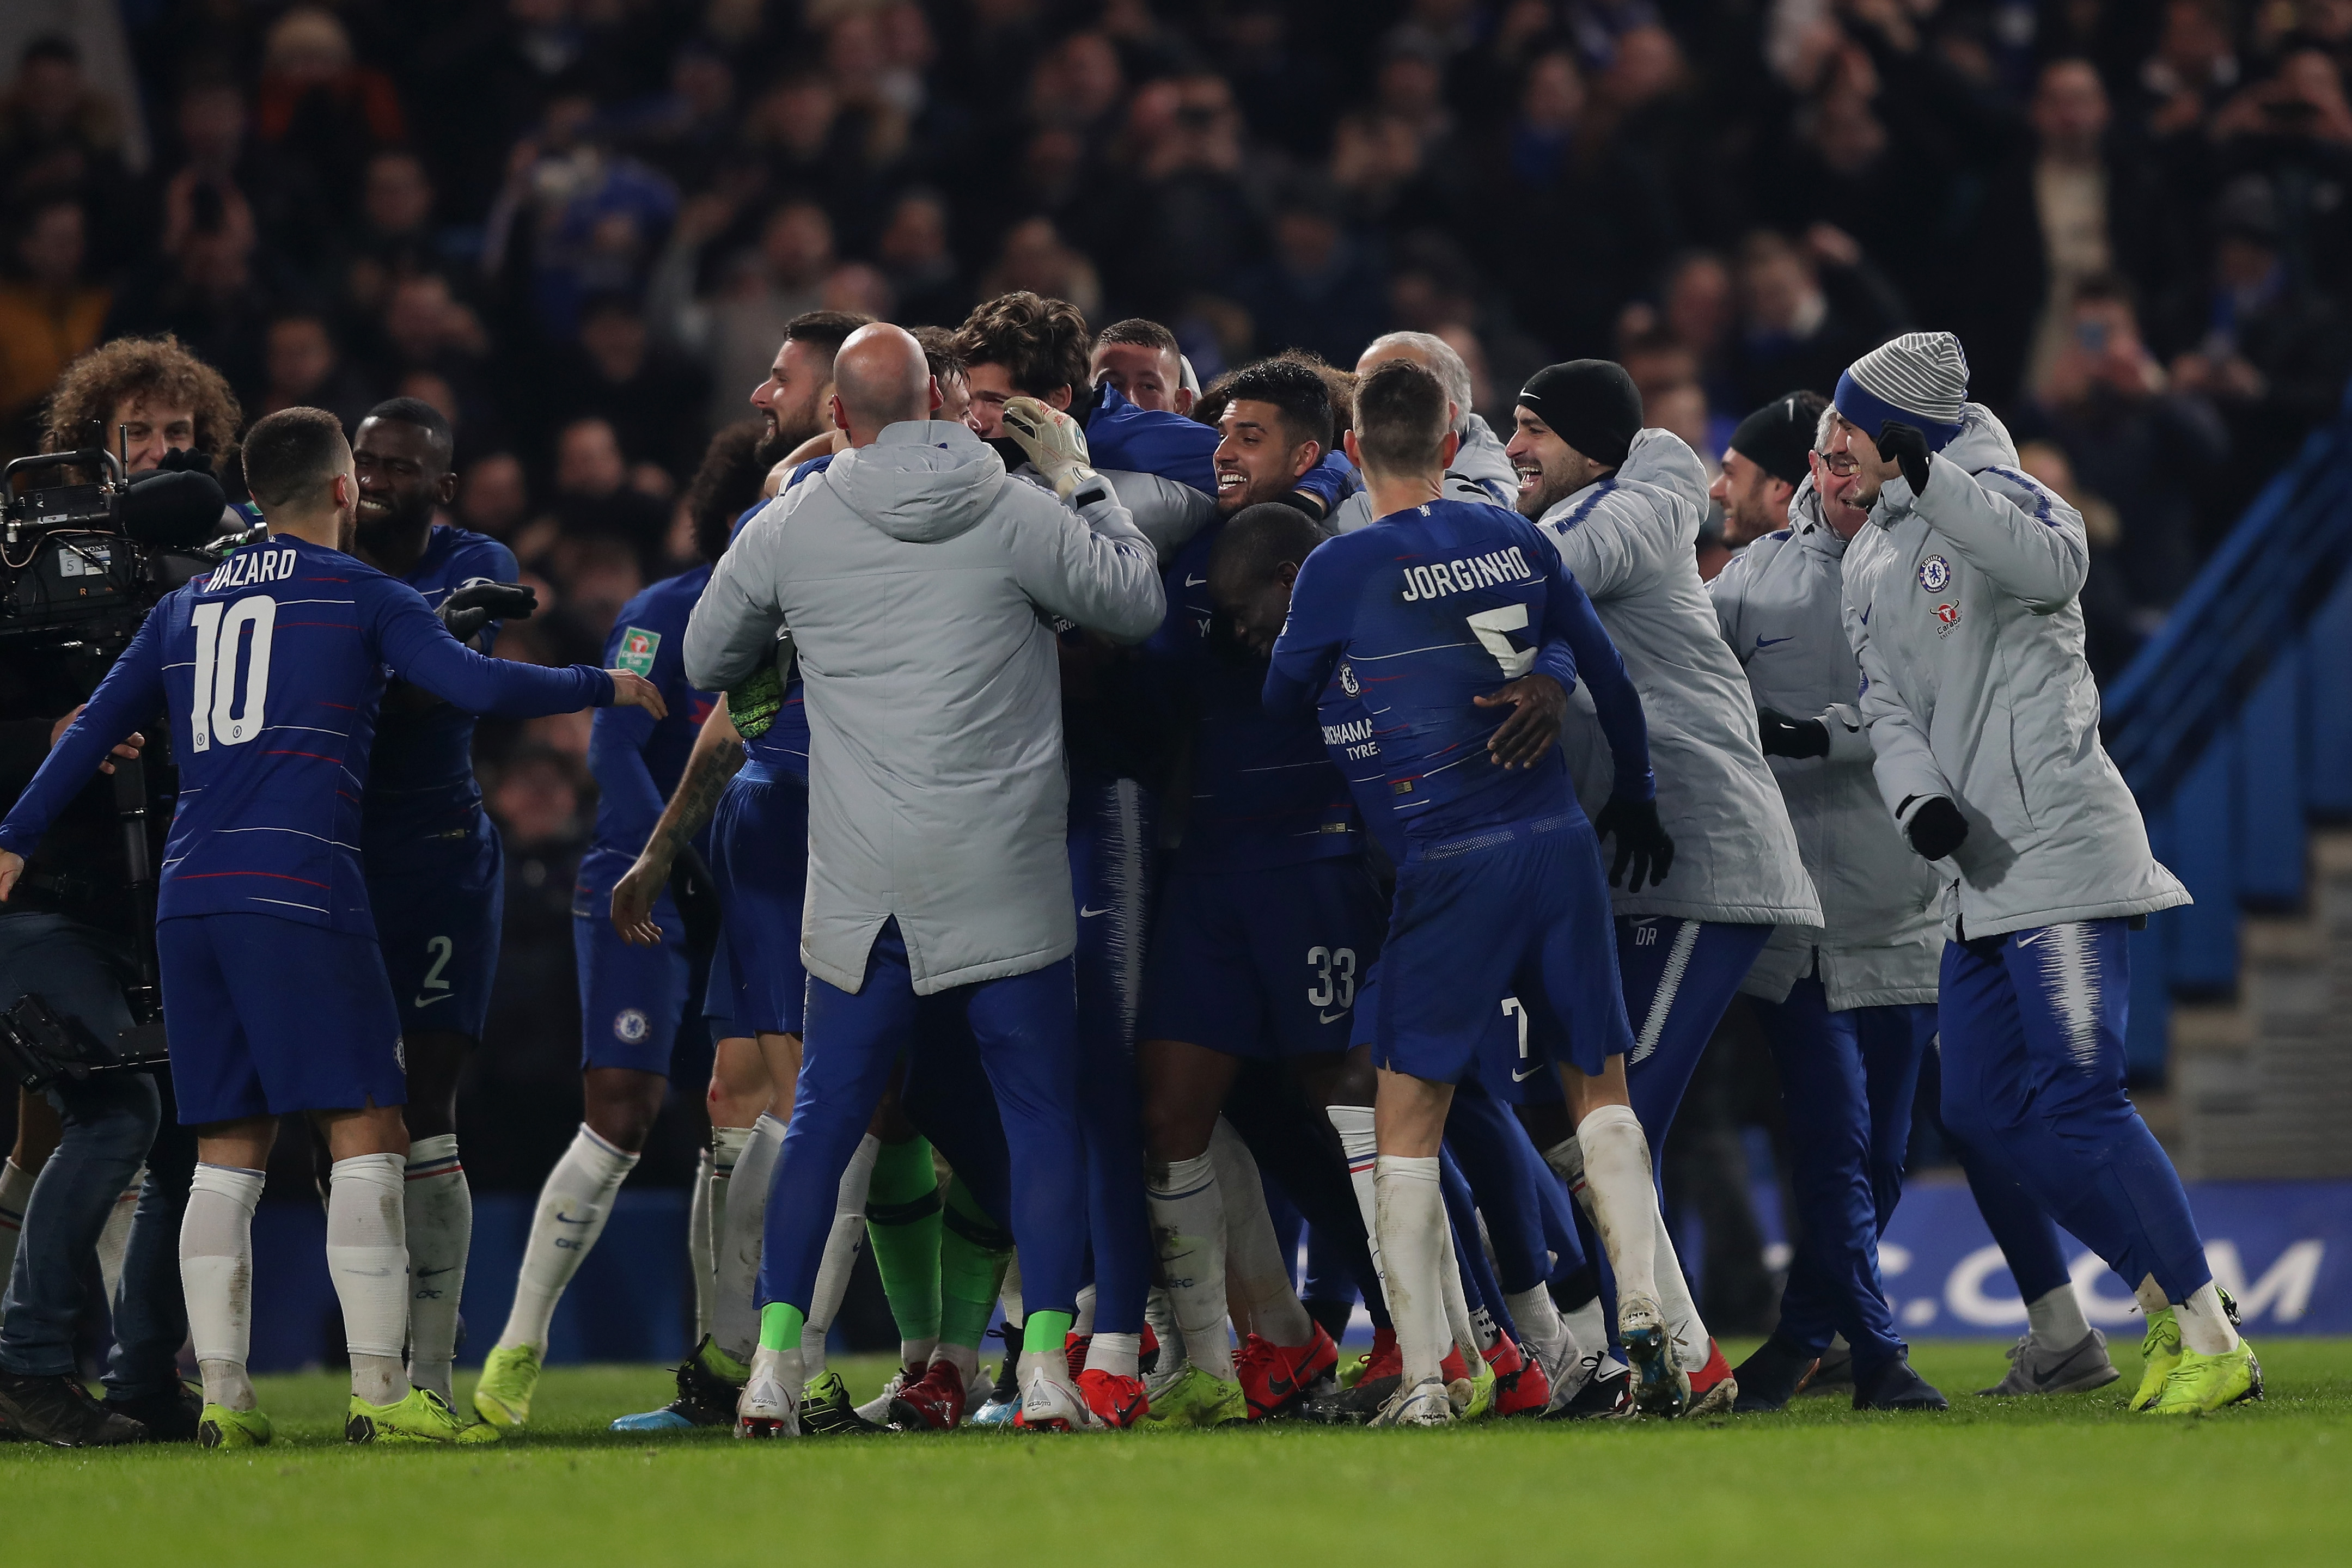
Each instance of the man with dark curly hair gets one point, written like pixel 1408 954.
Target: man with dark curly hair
pixel 1022 343
pixel 161 395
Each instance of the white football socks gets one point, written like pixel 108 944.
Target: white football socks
pixel 1008 1290
pixel 1589 1325
pixel 1254 1260
pixel 1692 1347
pixel 440 1219
pixel 2205 1326
pixel 216 1278
pixel 572 1207
pixel 1458 1320
pixel 2149 1295
pixel 367 1255
pixel 2056 1320
pixel 1542 1331
pixel 735 1313
pixel 697 1243
pixel 1357 1144
pixel 114 1240
pixel 1411 1221
pixel 1082 1322
pixel 842 1245
pixel 1615 1189
pixel 1117 1353
pixel 726 1148
pixel 1188 1222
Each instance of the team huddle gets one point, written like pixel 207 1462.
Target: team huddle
pixel 1132 825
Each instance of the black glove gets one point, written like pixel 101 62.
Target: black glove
pixel 1786 736
pixel 1936 828
pixel 185 460
pixel 476 605
pixel 1905 444
pixel 1642 842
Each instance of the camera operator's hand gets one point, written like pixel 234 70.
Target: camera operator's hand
pixel 12 866
pixel 128 749
pixel 470 608
pixel 183 460
pixel 633 690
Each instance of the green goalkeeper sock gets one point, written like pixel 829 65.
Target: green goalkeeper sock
pixel 902 1221
pixel 780 1326
pixel 1044 1332
pixel 973 1252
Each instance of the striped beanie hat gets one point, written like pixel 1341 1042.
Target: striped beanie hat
pixel 1919 378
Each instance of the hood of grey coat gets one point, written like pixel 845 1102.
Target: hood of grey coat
pixel 1482 461
pixel 921 481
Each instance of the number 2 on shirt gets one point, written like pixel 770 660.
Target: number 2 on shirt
pixel 213 713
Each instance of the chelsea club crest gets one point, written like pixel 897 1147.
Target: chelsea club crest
pixel 1934 574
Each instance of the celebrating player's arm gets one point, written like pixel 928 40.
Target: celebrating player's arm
pixel 716 757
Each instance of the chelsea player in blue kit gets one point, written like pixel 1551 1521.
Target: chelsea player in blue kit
pixel 1502 890
pixel 632 998
pixel 275 995
pixel 436 871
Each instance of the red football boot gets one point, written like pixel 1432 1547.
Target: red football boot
pixel 1120 1401
pixel 1274 1377
pixel 1147 1356
pixel 932 1403
pixel 1073 1351
pixel 1713 1388
pixel 1520 1386
pixel 1386 1359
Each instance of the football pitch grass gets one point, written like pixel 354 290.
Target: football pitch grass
pixel 2072 1480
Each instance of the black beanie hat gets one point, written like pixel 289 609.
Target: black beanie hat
pixel 1592 405
pixel 1777 436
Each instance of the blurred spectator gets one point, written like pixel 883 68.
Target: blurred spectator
pixel 2271 351
pixel 494 494
pixel 321 114
pixel 595 501
pixel 211 285
pixel 1319 289
pixel 576 219
pixel 734 332
pixel 302 368
pixel 1794 332
pixel 50 313
pixel 2147 450
pixel 2080 209
pixel 914 256
pixel 59 136
pixel 650 395
pixel 392 237
pixel 1184 219
pixel 2113 629
pixel 1035 259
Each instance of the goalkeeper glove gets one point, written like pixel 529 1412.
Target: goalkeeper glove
pixel 476 605
pixel 1053 442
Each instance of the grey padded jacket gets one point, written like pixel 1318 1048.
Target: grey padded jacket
pixel 1780 604
pixel 1961 604
pixel 1629 540
pixel 912 574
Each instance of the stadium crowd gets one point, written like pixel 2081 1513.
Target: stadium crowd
pixel 576 232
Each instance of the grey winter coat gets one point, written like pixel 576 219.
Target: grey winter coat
pixel 1779 603
pixel 1961 605
pixel 1479 471
pixel 1630 540
pixel 914 575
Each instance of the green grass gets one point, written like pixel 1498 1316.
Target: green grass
pixel 1988 1485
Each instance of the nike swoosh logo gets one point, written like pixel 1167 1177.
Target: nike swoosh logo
pixel 2030 941
pixel 1085 913
pixel 1764 643
pixel 563 1218
pixel 370 1273
pixel 1865 615
pixel 1333 1017
pixel 1196 582
pixel 428 1273
pixel 1519 1077
pixel 428 1001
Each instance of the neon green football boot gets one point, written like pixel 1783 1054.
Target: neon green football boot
pixel 1197 1399
pixel 502 1397
pixel 221 1427
pixel 2160 1351
pixel 2200 1385
pixel 1482 1393
pixel 423 1417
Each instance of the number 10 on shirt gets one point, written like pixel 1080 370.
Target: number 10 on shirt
pixel 214 712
